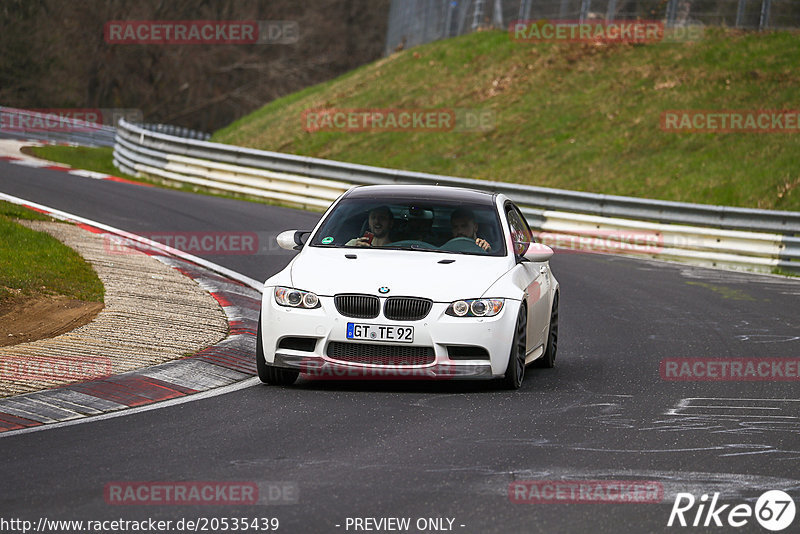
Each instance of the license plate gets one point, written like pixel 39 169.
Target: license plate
pixel 377 332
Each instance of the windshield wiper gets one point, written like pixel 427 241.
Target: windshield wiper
pixel 407 247
pixel 423 249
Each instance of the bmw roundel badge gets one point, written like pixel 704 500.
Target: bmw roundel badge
pixel 383 290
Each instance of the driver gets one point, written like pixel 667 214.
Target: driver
pixel 462 222
pixel 381 221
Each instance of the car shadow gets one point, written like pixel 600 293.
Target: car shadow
pixel 445 386
pixel 393 385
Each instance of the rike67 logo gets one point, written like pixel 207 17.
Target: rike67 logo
pixel 774 510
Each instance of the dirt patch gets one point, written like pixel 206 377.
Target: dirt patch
pixel 25 319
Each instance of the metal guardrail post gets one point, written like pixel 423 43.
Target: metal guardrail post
pixel 477 14
pixel 497 14
pixel 563 8
pixel 448 19
pixel 524 9
pixel 763 21
pixel 585 6
pixel 611 11
pixel 740 13
pixel 672 10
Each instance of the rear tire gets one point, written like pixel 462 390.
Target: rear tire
pixel 269 374
pixel 548 359
pixel 515 372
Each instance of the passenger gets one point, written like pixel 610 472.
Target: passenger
pixel 463 224
pixel 381 221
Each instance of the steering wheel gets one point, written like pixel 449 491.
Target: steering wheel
pixel 462 244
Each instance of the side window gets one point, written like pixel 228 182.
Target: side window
pixel 520 232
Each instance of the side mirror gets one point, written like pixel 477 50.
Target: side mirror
pixel 292 239
pixel 538 252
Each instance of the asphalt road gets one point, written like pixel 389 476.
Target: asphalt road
pixel 447 450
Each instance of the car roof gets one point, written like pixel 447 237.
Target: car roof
pixel 423 192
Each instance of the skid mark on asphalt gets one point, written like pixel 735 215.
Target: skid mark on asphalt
pixel 738 408
pixel 767 338
pixel 792 285
pixel 717 415
pixel 775 420
pixel 722 415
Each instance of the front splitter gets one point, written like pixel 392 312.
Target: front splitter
pixel 319 368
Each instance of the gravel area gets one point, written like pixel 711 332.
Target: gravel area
pixel 152 314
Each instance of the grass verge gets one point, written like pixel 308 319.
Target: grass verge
pixel 578 116
pixel 35 263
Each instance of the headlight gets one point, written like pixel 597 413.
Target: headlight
pixel 294 298
pixel 475 308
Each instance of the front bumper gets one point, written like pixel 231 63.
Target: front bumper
pixel 316 367
pixel 437 331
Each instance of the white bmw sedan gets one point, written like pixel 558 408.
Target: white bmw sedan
pixel 411 281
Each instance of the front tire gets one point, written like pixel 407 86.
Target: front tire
pixel 548 359
pixel 269 374
pixel 515 372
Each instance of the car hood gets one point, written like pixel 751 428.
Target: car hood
pixel 405 273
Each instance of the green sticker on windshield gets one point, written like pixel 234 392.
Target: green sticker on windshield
pixel 327 240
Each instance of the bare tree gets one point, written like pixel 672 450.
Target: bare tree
pixel 54 55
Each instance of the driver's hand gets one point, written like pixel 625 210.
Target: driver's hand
pixel 483 244
pixel 362 242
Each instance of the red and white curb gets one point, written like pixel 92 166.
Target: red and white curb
pixel 25 160
pixel 224 365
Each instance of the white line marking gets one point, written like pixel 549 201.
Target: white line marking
pixel 58 214
pixel 90 174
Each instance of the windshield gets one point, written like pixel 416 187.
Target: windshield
pixel 425 226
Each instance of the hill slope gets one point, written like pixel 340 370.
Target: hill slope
pixel 571 115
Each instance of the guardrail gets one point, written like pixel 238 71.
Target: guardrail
pixel 179 131
pixel 730 237
pixel 22 123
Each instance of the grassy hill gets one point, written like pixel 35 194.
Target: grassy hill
pixel 568 115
